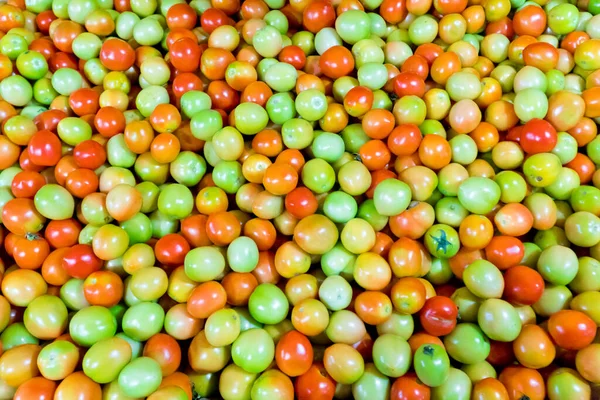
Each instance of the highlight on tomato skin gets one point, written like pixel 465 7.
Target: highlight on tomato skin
pixel 311 199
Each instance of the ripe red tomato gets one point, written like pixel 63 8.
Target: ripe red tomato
pixel 438 315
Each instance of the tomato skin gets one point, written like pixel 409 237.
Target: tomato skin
pixel 538 136
pixel 294 354
pixel 315 384
pixel 521 381
pixel 44 148
pixel 408 387
pixel 37 388
pixel 571 330
pixel 62 233
pixel 117 55
pixel 21 217
pixel 523 285
pixel 165 350
pixel 103 288
pixel 438 315
pixel 30 251
pixel 80 261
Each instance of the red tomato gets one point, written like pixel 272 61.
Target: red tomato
pixel 438 315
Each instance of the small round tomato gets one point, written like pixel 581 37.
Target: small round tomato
pixel 438 315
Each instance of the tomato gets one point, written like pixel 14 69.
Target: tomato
pixel 572 330
pixel 80 261
pixel 432 364
pixel 315 384
pixel 38 388
pixel 521 381
pixel 294 354
pixel 165 350
pixel 77 385
pixel 438 315
pixel 523 285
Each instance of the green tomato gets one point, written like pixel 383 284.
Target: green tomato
pixel 43 92
pixel 104 360
pixel 542 169
pixel 228 176
pixel 267 41
pixel 92 324
pixel 353 25
pixel 392 355
pixel 74 130
pixel 391 197
pixel 80 9
pixel 138 228
pixel 281 76
pixel 140 378
pixel 563 18
pixel 318 175
pixel 66 81
pixel 12 45
pixel 150 97
pixel 15 89
pixel 54 202
pixel 335 293
pixel 371 385
pixel 311 104
pixel 588 276
pixel 16 335
pixel 479 371
pixel 87 46
pixel 222 327
pixel 372 75
pixel 464 149
pixel 442 241
pixel 586 198
pixel 530 104
pixel 327 146
pixel 448 210
pixel 250 118
pixel 432 364
pixel 564 186
pixel 457 387
pixel 581 229
pixel 340 207
pixel 46 317
pixel 484 279
pixel 499 320
pixel 336 260
pixel 423 29
pixel 71 293
pixel 205 123
pixel 242 254
pixel 398 324
pixel 479 195
pixel 554 299
pixel 467 344
pixel 32 65
pixel 268 304
pixel 143 320
pixel 148 31
pixel 58 359
pixel 281 108
pixel 530 77
pixel 204 264
pixel 176 201
pixel 188 168
pixel 253 350
pixel 467 303
pixel 558 265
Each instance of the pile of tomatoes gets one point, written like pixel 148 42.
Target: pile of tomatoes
pixel 311 199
